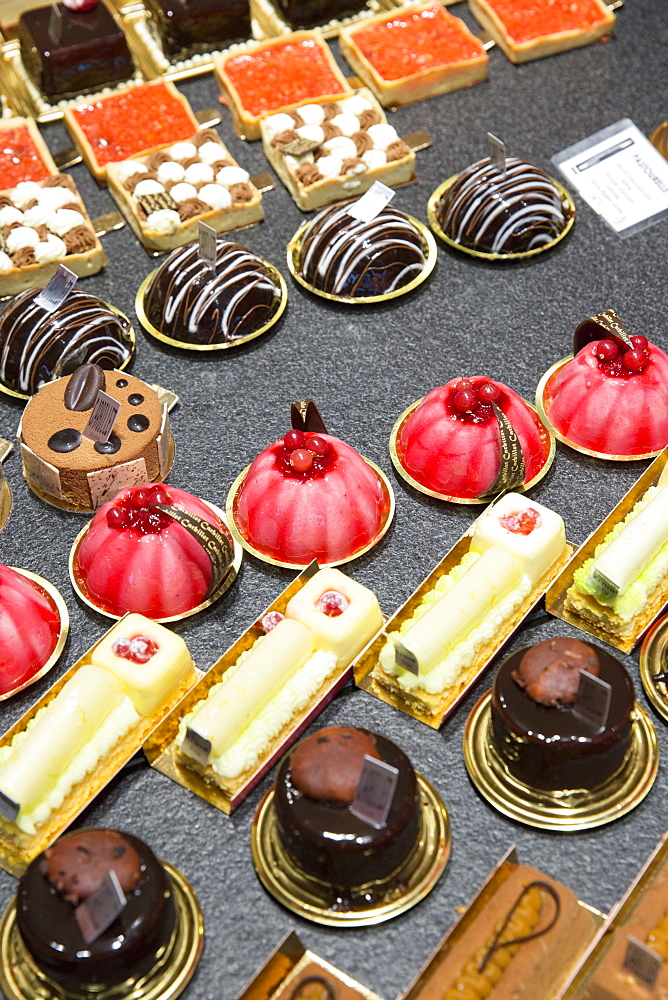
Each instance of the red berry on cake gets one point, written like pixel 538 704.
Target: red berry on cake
pixel 80 6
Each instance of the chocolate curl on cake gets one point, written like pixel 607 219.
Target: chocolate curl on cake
pixel 191 207
pixel 6 201
pixel 397 151
pixel 219 164
pixel 363 142
pixel 74 206
pixel 59 180
pixel 604 324
pixel 131 183
pixel 296 118
pixel 308 173
pixel 353 166
pixel 241 192
pixel 497 944
pixel 305 416
pixel 549 672
pixel 156 159
pixel 43 232
pixel 370 117
pixel 33 202
pixel 330 109
pixel 208 135
pixel 330 131
pixel 283 138
pixel 79 239
pixel 24 257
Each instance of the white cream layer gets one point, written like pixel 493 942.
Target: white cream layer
pixel 255 740
pixel 119 722
pixel 447 671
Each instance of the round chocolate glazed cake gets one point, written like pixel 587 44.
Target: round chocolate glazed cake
pixel 343 256
pixel 188 301
pixel 317 782
pixel 494 212
pixel 67 874
pixel 540 738
pixel 37 346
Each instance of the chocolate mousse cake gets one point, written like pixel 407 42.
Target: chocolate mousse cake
pixel 344 256
pixel 316 785
pixel 200 25
pixel 69 873
pixel 81 51
pixel 541 739
pixel 189 302
pixel 512 211
pixel 38 346
pixel 67 468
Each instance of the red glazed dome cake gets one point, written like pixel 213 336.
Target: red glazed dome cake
pixel 29 629
pixel 135 557
pixel 451 443
pixel 611 398
pixel 311 496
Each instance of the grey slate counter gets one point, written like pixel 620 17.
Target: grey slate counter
pixel 364 366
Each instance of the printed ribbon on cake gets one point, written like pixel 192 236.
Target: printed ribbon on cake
pixel 601 325
pixel 511 464
pixel 215 543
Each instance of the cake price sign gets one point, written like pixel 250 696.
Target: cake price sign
pixel 100 910
pixel 54 294
pixel 642 962
pixel 375 792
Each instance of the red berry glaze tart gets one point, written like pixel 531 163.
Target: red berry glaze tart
pixel 311 496
pixel 137 558
pixel 450 445
pixel 30 626
pixel 611 398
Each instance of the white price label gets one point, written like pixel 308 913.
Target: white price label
pixel 207 245
pixel 100 910
pixel 370 204
pixel 375 792
pixel 621 175
pixel 57 290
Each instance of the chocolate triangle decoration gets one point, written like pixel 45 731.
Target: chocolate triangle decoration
pixel 305 416
pixel 596 327
pixel 511 467
pixel 215 543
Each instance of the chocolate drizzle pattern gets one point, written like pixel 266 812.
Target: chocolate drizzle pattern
pixel 342 256
pixel 491 212
pixel 187 301
pixel 37 347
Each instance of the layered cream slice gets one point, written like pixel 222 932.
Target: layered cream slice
pixel 626 581
pixel 514 546
pixel 132 673
pixel 326 624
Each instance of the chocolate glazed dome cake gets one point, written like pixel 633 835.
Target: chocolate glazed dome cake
pixel 342 256
pixel 510 212
pixel 37 346
pixel 66 875
pixel 188 301
pixel 316 784
pixel 539 736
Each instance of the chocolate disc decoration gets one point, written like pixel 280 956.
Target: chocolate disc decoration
pixel 215 543
pixel 157 202
pixel 299 147
pixel 496 945
pixel 599 326
pixel 305 416
pixel 512 470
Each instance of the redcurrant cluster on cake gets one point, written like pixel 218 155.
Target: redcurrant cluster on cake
pixel 137 510
pixel 306 455
pixel 621 361
pixel 139 649
pixel 472 400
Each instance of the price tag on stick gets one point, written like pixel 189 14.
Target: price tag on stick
pixel 370 204
pixel 642 962
pixel 592 702
pixel 375 792
pixel 207 245
pixel 57 290
pixel 103 417
pixel 100 910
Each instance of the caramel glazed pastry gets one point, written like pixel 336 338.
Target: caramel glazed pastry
pixel 167 193
pixel 521 946
pixel 68 874
pixel 61 464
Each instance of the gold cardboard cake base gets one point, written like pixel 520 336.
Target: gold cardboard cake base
pixel 549 451
pixel 567 204
pixel 5 503
pixel 540 404
pixel 225 584
pixel 315 900
pixel 428 248
pixel 56 598
pixel 654 664
pixel 183 345
pixel 231 507
pixel 21 979
pixel 562 811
